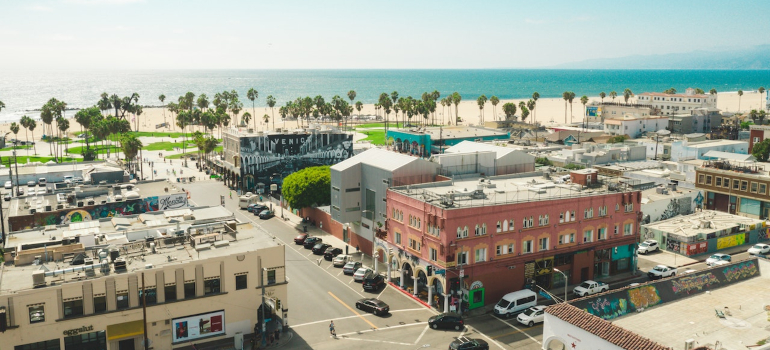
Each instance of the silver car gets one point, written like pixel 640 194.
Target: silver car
pixel 351 267
pixel 361 273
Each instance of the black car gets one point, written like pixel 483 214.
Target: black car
pixel 463 343
pixel 331 252
pixel 258 209
pixel 448 320
pixel 266 214
pixel 312 241
pixel 373 282
pixel 320 248
pixel 375 306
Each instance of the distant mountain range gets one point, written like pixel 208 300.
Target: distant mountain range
pixel 754 58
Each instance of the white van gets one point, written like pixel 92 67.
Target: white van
pixel 515 302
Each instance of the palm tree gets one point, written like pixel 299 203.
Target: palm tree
pixel 456 98
pixel 761 116
pixel 162 98
pixel 670 91
pixel 713 92
pixel 271 104
pixel 351 95
pixel 565 96
pixel 31 126
pixel 481 101
pixel 613 94
pixel 359 107
pixel 63 125
pixel 761 91
pixel 200 140
pixel 522 106
pixel 247 117
pixel 584 100
pixel 211 144
pixel 699 91
pixel 602 95
pixel 266 118
pixel 535 97
pixel 85 117
pixel 531 106
pixel 25 124
pixel 130 145
pixel 104 102
pixel 753 115
pixel 2 105
pixel 627 93
pixel 15 130
pixel 494 100
pixel 740 93
pixel 252 95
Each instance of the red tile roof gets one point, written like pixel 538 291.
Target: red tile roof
pixel 603 329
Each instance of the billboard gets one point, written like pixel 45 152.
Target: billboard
pixel 279 155
pixel 198 326
pixel 592 111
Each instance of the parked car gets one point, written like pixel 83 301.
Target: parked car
pixel 310 242
pixel 661 271
pixel 361 273
pixel 320 248
pixel 351 267
pixel 375 306
pixel 448 320
pixel 331 252
pixel 250 207
pixel 590 287
pixel 77 180
pixel 341 260
pixel 530 316
pixel 374 282
pixel 266 214
pixel 20 191
pixel 41 181
pixel 759 249
pixel 8 185
pixel 515 302
pixel 31 183
pixel 648 246
pixel 7 197
pixel 713 259
pixel 463 343
pixel 300 239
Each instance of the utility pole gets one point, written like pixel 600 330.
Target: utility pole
pixel 144 314
pixel 2 220
pixel 262 307
pixel 16 165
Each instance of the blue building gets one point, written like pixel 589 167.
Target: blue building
pixel 426 141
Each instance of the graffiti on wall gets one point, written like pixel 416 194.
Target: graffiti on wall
pixel 691 283
pixel 643 297
pixel 740 271
pixel 608 308
pixel 672 245
pixel 731 241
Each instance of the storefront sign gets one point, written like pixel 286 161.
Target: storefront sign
pixel 476 285
pixel 198 326
pixel 173 201
pixel 76 331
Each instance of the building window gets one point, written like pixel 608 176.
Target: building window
pixel 481 255
pixel 617 206
pixel 588 213
pixel 616 229
pixel 462 258
pixel 100 303
pixel 526 247
pixel 462 233
pixel 588 236
pixel 74 307
pixel 629 207
pixel 701 178
pixel 211 286
pixel 564 239
pixel 170 292
pixel 736 184
pixel 152 296
pixel 602 233
pixel 528 222
pixel 241 282
pixel 483 229
pixel 189 289
pixel 753 187
pixel 122 300
pixel 543 220
pixel 718 181
pixel 37 313
pixel 543 244
pixel 561 217
pixel 726 183
pixel 762 188
pixel 414 244
pixel 398 237
pixel 504 249
pixel 603 211
pixel 499 227
pixel 510 225
pixel 708 179
pixel 573 216
pixel 628 229
pixel 744 185
pixel 433 254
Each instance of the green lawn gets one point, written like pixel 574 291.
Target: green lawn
pixel 167 146
pixel 58 141
pixel 15 147
pixel 159 134
pixel 378 125
pixel 24 159
pixel 99 149
pixel 375 137
pixel 180 155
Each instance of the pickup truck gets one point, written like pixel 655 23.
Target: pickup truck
pixel 661 271
pixel 590 287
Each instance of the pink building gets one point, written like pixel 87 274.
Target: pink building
pixel 487 236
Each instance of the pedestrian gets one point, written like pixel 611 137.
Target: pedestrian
pixel 331 329
pixel 231 194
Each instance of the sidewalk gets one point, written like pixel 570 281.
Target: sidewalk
pixel 228 343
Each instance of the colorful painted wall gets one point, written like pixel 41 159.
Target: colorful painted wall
pixel 94 212
pixel 618 303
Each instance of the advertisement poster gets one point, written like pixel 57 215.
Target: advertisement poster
pixel 198 326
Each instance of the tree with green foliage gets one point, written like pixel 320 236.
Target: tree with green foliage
pixel 509 108
pixel 613 94
pixel 617 139
pixel 713 92
pixel 627 93
pixel 699 91
pixel 271 104
pixel 584 101
pixel 602 95
pixel 456 98
pixel 761 91
pixel 308 187
pixel 543 161
pixel 740 94
pixel 669 91
pixel 15 130
pixel 573 166
pixel 130 145
pixel 252 95
pixel 761 150
pixel 481 101
pixel 85 117
pixel 535 97
pixel 494 100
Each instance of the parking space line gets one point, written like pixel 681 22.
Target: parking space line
pixel 383 291
pixel 487 337
pixel 421 334
pixel 514 332
pixel 330 265
pixel 341 271
pixel 353 310
pixel 519 330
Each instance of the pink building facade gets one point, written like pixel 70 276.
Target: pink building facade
pixel 486 251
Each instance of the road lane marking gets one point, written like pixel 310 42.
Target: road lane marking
pixel 514 332
pixel 383 329
pixel 378 341
pixel 421 334
pixel 487 337
pixel 519 330
pixel 352 310
pixel 346 317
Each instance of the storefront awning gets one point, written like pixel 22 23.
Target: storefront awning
pixel 124 330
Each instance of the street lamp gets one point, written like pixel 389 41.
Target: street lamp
pixel 565 282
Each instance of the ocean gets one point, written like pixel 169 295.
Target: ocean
pixel 25 91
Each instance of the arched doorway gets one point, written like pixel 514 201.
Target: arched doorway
pixel 437 291
pixel 422 285
pixel 249 183
pixel 407 277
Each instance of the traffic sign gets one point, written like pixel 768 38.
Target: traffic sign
pixel 462 273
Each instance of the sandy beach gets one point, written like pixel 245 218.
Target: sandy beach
pixel 547 110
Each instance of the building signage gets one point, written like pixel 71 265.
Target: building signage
pixel 172 201
pixel 198 326
pixel 76 331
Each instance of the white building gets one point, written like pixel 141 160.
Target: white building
pixel 670 104
pixel 475 157
pixel 634 126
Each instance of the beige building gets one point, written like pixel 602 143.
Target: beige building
pixel 671 104
pixel 82 286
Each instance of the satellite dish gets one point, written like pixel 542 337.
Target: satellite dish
pixel 664 132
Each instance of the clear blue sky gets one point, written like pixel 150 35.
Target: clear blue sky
pixel 224 34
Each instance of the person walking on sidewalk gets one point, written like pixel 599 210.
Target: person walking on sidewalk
pixel 331 330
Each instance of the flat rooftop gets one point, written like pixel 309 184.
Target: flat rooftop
pixel 475 190
pixel 197 240
pixel 42 169
pixel 454 132
pixel 40 199
pixel 652 195
pixel 703 223
pixel 244 131
pixel 745 323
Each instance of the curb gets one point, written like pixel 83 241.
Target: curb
pixel 409 295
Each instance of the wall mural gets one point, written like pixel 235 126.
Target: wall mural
pixel 677 206
pixel 284 154
pixel 620 302
pixel 731 241
pixel 107 210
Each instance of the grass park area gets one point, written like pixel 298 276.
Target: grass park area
pixel 15 147
pixel 29 159
pixel 159 134
pixel 167 146
pixel 375 137
pixel 180 155
pixel 100 149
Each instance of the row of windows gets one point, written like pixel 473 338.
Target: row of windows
pixel 415 221
pixel 74 307
pixel 737 185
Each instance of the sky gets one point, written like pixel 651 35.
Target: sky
pixel 340 34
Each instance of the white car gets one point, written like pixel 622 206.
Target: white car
pixel 361 273
pixel 530 316
pixel 8 185
pixel 648 246
pixel 757 249
pixel 341 260
pixel 713 259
